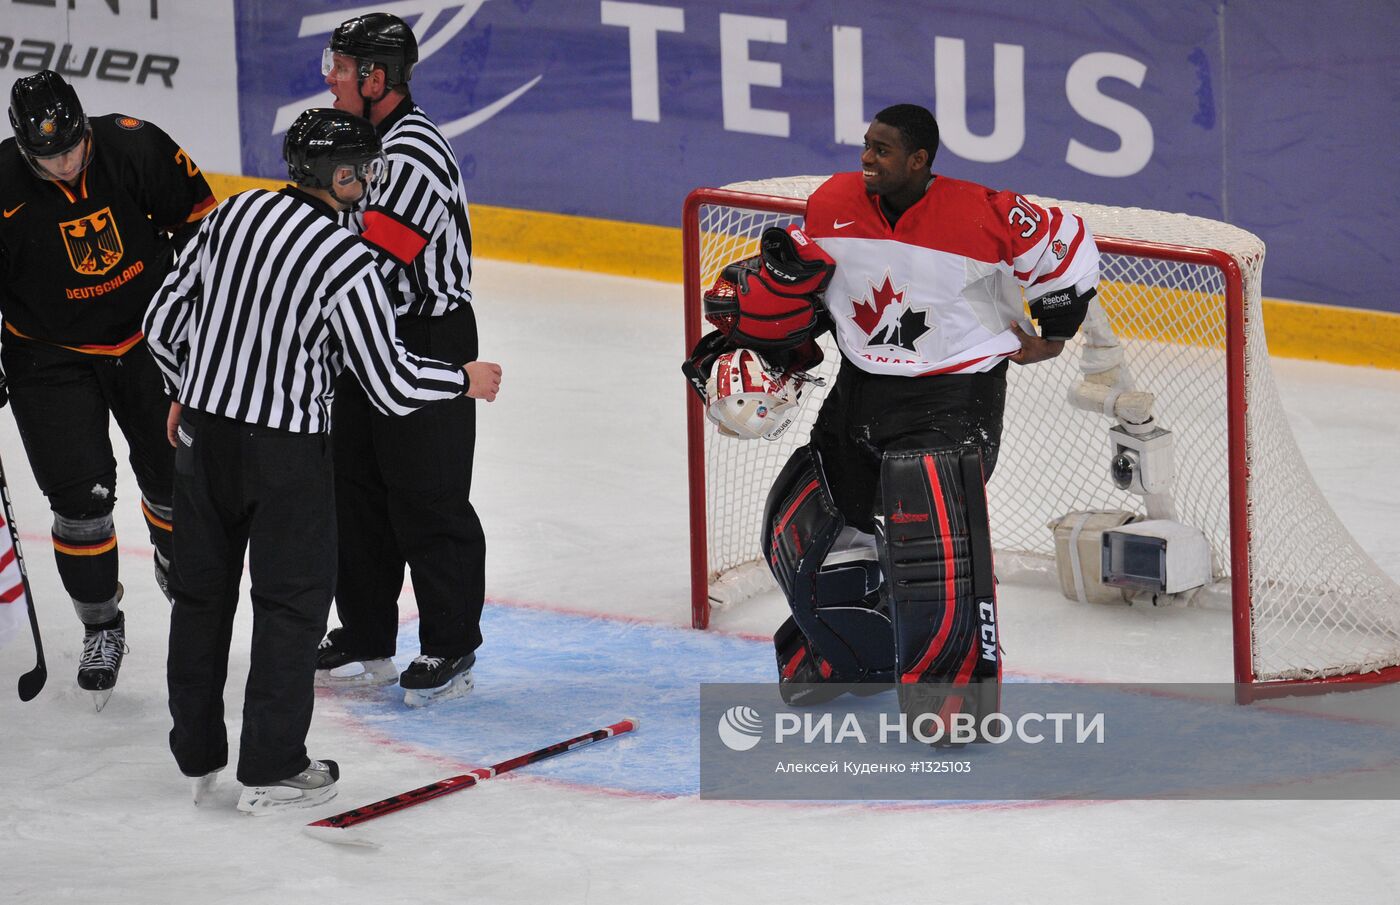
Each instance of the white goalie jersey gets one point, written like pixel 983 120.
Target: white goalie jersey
pixel 937 292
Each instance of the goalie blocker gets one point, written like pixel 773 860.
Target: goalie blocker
pixel 770 303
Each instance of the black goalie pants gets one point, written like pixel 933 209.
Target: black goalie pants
pixel 867 415
pixel 403 488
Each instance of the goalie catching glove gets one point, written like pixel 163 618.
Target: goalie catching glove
pixel 771 302
pixel 747 399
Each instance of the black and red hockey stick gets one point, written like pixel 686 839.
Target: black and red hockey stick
pixel 32 682
pixel 457 783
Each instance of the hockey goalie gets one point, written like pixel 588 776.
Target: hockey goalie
pixel 877 530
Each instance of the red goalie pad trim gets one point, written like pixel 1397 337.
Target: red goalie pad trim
pixel 401 241
pixel 950 586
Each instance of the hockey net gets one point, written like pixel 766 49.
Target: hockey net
pixel 1182 294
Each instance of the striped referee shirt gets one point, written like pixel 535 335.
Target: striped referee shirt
pixel 266 305
pixel 418 217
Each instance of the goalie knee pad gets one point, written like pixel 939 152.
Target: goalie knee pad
pixel 936 551
pixel 843 638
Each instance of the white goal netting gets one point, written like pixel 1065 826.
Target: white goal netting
pixel 1317 605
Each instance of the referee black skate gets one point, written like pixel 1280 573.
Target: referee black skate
pixel 264 308
pixel 93 210
pixel 403 485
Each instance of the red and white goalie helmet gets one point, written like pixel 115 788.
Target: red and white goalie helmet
pixel 748 399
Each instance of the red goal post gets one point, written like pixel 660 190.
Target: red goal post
pixel 1182 294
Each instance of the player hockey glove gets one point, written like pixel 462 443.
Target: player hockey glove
pixel 1059 313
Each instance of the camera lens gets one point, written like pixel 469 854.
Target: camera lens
pixel 1122 468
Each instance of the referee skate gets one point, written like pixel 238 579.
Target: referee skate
pixel 429 680
pixel 340 666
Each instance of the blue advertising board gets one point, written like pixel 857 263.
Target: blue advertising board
pixel 1255 112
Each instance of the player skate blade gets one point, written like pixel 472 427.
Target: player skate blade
pixel 460 686
pixel 202 788
pixel 100 698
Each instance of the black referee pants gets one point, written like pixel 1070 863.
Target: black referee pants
pixel 237 487
pixel 403 487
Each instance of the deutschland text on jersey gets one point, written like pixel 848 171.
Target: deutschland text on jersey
pixel 267 303
pixel 79 263
pixel 418 216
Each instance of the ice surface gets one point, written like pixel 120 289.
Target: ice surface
pixel 581 486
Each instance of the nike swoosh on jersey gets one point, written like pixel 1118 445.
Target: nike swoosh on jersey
pixel 14 210
pixel 837 224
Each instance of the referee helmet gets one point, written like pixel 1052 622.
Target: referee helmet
pixel 376 39
pixel 323 139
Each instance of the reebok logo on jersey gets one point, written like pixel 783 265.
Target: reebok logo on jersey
pixel 10 212
pixel 839 225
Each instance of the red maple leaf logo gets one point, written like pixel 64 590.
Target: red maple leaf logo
pixel 867 313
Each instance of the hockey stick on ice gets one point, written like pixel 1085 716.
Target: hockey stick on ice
pixel 32 682
pixel 320 828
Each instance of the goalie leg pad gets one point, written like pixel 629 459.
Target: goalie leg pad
pixel 935 548
pixel 845 639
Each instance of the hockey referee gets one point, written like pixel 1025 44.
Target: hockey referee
pixel 264 308
pixel 403 485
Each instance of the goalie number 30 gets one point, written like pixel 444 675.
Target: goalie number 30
pixel 1024 213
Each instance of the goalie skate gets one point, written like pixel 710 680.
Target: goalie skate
pixel 429 680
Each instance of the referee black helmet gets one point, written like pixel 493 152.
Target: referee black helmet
pixel 379 39
pixel 46 114
pixel 324 139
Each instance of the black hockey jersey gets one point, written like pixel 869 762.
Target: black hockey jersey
pixel 78 264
